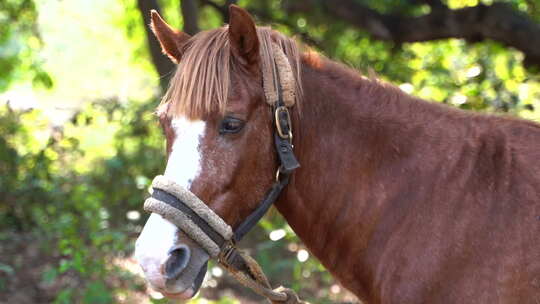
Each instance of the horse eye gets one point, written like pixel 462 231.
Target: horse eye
pixel 230 125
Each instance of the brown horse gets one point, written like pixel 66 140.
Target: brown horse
pixel 402 200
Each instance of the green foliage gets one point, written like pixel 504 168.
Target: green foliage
pixel 19 40
pixel 482 76
pixel 131 23
pixel 61 185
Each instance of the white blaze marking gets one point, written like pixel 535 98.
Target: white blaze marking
pixel 185 160
pixel 183 166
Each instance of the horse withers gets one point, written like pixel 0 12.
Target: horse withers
pixel 402 200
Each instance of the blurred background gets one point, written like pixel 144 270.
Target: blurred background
pixel 79 143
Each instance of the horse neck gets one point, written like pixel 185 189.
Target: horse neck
pixel 349 127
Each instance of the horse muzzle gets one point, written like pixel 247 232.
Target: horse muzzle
pixel 180 236
pixel 172 267
pixel 172 263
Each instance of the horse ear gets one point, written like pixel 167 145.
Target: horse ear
pixel 171 40
pixel 243 34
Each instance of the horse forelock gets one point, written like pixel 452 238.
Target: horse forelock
pixel 202 80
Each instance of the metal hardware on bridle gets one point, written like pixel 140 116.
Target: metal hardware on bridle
pixel 284 130
pixel 194 218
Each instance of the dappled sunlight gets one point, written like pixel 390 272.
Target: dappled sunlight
pixel 89 55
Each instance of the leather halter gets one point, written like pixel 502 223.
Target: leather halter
pixel 288 163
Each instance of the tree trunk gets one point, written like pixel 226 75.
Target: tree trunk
pixel 162 63
pixel 190 15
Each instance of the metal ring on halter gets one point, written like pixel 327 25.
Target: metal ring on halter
pixel 227 252
pixel 278 125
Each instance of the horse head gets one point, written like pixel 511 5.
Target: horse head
pixel 220 139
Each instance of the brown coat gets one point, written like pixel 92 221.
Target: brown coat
pixel 407 201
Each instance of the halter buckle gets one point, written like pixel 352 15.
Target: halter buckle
pixel 283 122
pixel 227 252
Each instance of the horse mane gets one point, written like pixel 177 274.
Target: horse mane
pixel 201 82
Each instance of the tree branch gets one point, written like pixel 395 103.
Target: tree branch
pixel 162 64
pixel 498 22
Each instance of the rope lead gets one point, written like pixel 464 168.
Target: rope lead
pixel 260 285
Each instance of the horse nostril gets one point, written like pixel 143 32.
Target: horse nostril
pixel 178 260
